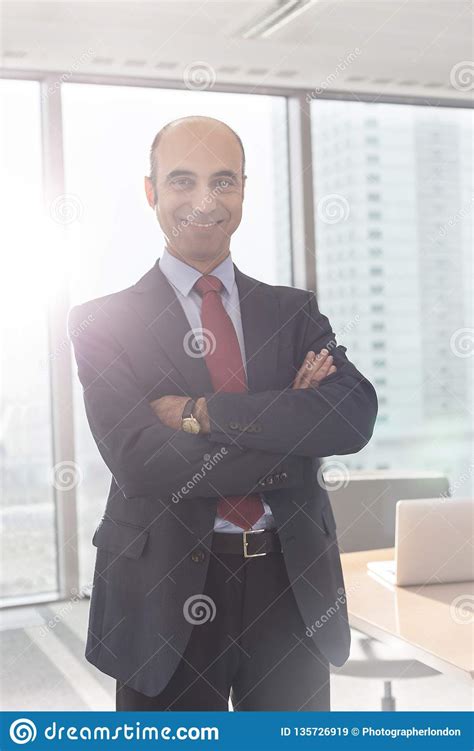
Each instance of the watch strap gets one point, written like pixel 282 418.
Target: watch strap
pixel 188 408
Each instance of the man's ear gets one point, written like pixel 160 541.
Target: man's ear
pixel 150 192
pixel 244 180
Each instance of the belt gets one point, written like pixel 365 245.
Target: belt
pixel 251 543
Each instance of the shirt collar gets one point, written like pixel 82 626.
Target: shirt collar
pixel 183 276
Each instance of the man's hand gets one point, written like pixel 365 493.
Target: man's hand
pixel 314 369
pixel 169 409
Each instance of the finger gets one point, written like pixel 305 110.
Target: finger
pixel 311 364
pixel 323 370
pixel 307 370
pixel 324 367
pixel 302 371
pixel 316 364
pixel 322 374
pixel 316 382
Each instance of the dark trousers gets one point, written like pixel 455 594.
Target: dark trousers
pixel 253 649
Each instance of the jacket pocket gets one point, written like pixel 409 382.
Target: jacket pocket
pixel 121 538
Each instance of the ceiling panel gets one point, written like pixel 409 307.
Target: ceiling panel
pixel 385 46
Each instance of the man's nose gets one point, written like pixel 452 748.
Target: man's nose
pixel 203 199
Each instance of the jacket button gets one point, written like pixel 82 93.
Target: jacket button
pixel 197 556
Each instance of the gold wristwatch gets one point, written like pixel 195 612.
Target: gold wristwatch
pixel 188 422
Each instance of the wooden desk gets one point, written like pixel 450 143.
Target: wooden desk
pixel 422 619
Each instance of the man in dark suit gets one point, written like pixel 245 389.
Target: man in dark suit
pixel 211 397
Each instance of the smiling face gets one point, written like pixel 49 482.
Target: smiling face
pixel 199 189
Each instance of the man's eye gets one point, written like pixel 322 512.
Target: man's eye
pixel 182 183
pixel 225 182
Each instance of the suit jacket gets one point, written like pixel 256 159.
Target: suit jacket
pixel 153 542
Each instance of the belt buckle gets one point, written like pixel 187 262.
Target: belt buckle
pixel 245 543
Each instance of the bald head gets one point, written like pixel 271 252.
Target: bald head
pixel 194 123
pixel 196 187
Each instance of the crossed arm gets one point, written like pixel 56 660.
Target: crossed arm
pixel 146 456
pixel 337 417
pixel 149 458
pixel 314 369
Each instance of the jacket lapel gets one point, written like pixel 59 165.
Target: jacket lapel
pixel 261 323
pixel 156 303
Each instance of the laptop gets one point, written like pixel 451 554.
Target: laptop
pixel 433 543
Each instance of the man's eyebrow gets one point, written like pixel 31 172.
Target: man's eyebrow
pixel 179 173
pixel 183 172
pixel 225 173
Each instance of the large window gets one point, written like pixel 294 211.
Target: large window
pixel 28 554
pixel 108 131
pixel 393 213
pixel 393 216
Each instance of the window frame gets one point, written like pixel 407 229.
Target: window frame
pixel 302 250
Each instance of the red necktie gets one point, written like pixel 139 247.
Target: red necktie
pixel 224 362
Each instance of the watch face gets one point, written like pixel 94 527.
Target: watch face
pixel 190 425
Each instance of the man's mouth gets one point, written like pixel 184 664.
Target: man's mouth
pixel 200 224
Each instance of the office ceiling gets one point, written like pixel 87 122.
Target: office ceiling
pixel 381 47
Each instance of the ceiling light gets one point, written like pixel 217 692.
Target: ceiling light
pixel 276 19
